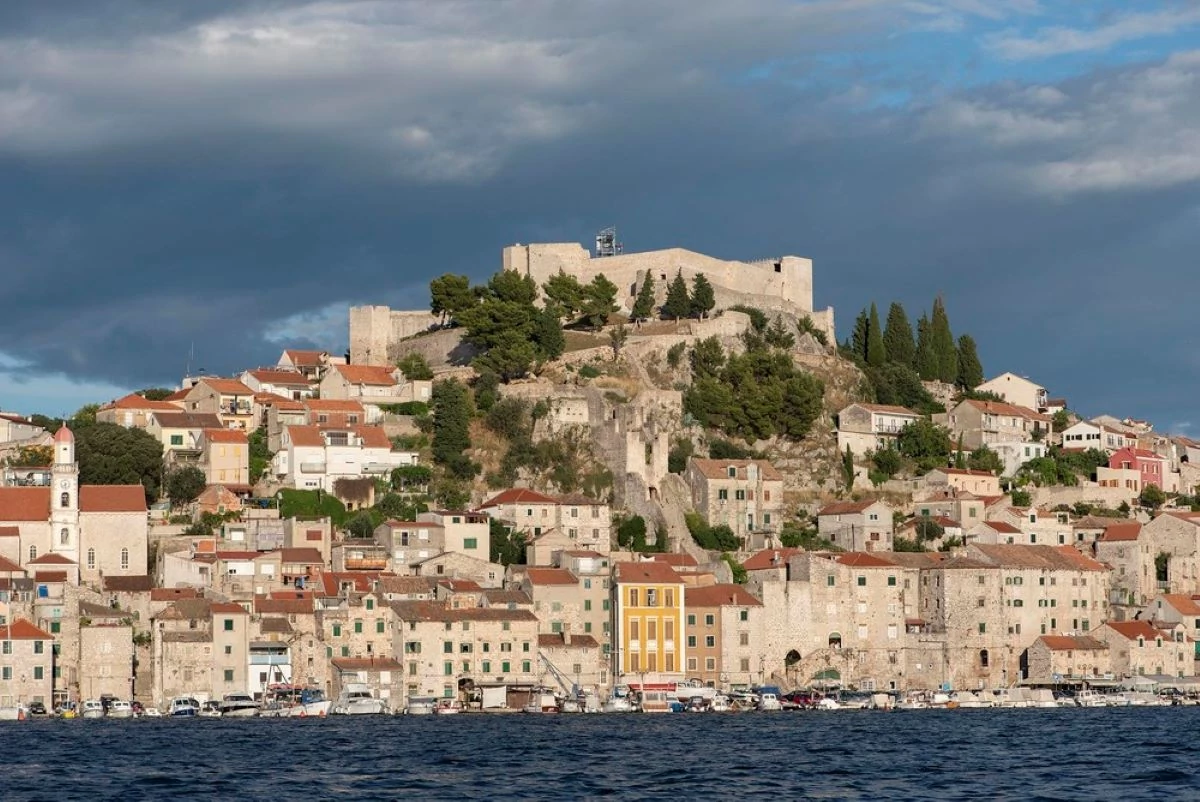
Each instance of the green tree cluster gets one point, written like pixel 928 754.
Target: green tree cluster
pixel 508 547
pixel 926 443
pixel 415 367
pixel 712 538
pixel 185 484
pixel 451 428
pixel 109 454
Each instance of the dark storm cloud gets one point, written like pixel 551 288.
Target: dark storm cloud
pixel 228 179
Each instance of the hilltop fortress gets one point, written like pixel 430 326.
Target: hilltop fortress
pixel 782 285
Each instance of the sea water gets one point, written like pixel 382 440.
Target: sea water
pixel 1067 754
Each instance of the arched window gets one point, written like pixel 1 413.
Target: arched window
pixel 983 658
pixel 64 500
pixel 32 553
pixel 835 640
pixel 124 558
pixel 91 558
pixel 791 658
pixel 64 536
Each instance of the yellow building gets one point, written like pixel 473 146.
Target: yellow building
pixel 649 642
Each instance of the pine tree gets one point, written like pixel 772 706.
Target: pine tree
pixel 858 340
pixel 703 299
pixel 943 343
pixel 927 361
pixel 876 355
pixel 643 305
pixel 898 337
pixel 678 304
pixel 848 468
pixel 970 370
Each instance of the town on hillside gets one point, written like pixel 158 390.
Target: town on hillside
pixel 600 480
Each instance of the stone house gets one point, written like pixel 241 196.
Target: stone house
pixel 383 676
pixel 440 647
pixel 857 525
pixel 1119 546
pixel 745 495
pixel 133 411
pixel 984 423
pixel 434 533
pixel 864 428
pixel 578 657
pixel 1176 608
pixel 26 664
pixel 1170 557
pixel 373 385
pixel 179 432
pixel 978 483
pixel 649 642
pixel 586 523
pixel 313 364
pixel 564 602
pixel 1052 658
pixel 228 399
pixel 725 636
pixel 288 384
pixel 453 565
pixel 106 657
pixel 230 630
pixel 1016 390
pixel 225 458
pixel 1138 648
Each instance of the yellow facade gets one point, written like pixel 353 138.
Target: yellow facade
pixel 650 628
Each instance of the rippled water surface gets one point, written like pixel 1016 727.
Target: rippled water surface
pixel 1120 754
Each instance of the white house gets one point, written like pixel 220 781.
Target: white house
pixel 1085 434
pixel 312 458
pixel 373 384
pixel 1017 390
pixel 1014 455
pixel 277 381
pixel 871 427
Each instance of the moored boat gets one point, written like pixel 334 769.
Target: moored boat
pixel 420 706
pixel 447 707
pixel 238 705
pixel 210 709
pixel 92 708
pixel 119 708
pixel 355 699
pixel 182 707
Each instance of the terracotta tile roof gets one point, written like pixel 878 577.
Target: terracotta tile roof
pixel 50 576
pixel 1049 557
pixel 366 664
pixel 374 375
pixel 916 559
pixel 584 553
pixel 507 597
pixel 306 555
pixel 300 606
pixel 187 420
pixel 274 626
pixel 887 408
pixel 226 386
pixel 1069 643
pixel 305 436
pixel 1183 604
pixel 373 437
pixel 286 378
pixel 846 507
pixel 767 558
pixel 20 629
pixel 550 576
pixel 1131 630
pixel 178 395
pixel 1012 410
pixel 172 594
pixel 129 584
pixel 719 468
pixel 239 555
pixel 112 498
pixel 719 596
pixel 227 608
pixel 24 503
pixel 331 582
pixel 91 610
pixel 1139 453
pixel 408 585
pixel 518 495
pixel 646 572
pixel 332 405
pixel 1002 527
pixel 460 585
pixel 135 401
pixel 435 611
pixel 7 566
pixel 52 558
pixel 187 636
pixel 861 559
pixel 676 560
pixel 234 436
pixel 1121 532
pixel 558 640
pixel 962 562
pixel 309 359
pixel 10 531
pixel 278 401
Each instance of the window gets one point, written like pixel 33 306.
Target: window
pixel 526 666
pixel 229 675
pixel 337 630
pixel 668 597
pixel 370 604
pixel 55 627
pixel 743 615
pixel 38 672
pixel 633 597
pixel 829 580
pixel 691 620
pixel 470 543
pixel 91 559
pixel 710 664
pixel 487 667
pixel 345 651
pixel 448 668
pixel 743 638
pixel 587 604
pixel 709 620
pixel 891 581
pixel 6 673
pixel 379 626
pixel 447 647
pixel 358 626
pixel 862 581
pixel 6 648
pixel 32 553
pixel 504 667
pixel 691 641
pixel 740 495
pixel 983 658
pixel 124 559
pixel 691 664
pixel 228 649
pixel 228 625
pixel 710 641
pixel 982 628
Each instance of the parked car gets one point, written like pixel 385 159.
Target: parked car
pixel 37 708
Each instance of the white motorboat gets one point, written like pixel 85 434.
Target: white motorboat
pixel 720 704
pixel 15 713
pixel 447 707
pixel 210 709
pixel 617 704
pixel 827 703
pixel 1090 698
pixel 152 712
pixel 570 706
pixel 541 700
pixel 419 706
pixel 92 708
pixel 119 708
pixel 182 707
pixel 356 700
pixel 238 705
pixel 770 702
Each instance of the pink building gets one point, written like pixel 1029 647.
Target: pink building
pixel 1150 466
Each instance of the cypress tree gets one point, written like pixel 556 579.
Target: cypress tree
pixel 703 299
pixel 678 304
pixel 927 361
pixel 943 343
pixel 970 370
pixel 643 305
pixel 876 355
pixel 898 337
pixel 960 460
pixel 858 340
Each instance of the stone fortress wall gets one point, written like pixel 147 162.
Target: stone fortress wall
pixel 780 285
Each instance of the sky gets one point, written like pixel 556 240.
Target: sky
pixel 205 183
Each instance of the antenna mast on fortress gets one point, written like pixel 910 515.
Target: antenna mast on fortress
pixel 606 242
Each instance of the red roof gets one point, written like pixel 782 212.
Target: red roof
pixel 373 437
pixel 719 596
pixel 21 629
pixel 306 358
pixel 1121 532
pixel 1000 408
pixel 305 436
pixel 52 558
pixel 64 435
pixel 50 576
pixel 332 405
pixel 719 468
pixel 112 498
pixel 846 507
pixel 226 436
pixel 550 576
pixel 861 559
pixel 27 503
pixel 1068 643
pixel 646 572
pixel 375 375
pixel 227 386
pixel 302 555
pixel 135 401
pixel 1003 527
pixel 7 566
pixel 1132 630
pixel 172 594
pixel 289 378
pixel 518 495
pixel 675 560
pixel 767 559
pixel 283 606
pixel 227 608
pixel 1182 603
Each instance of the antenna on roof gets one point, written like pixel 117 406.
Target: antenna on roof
pixel 606 242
